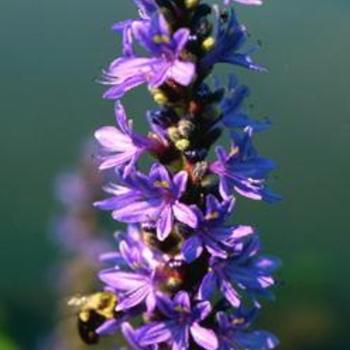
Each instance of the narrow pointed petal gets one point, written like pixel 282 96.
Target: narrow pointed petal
pixel 230 293
pixel 155 333
pixel 165 223
pixel 192 249
pixel 122 281
pixel 182 72
pixel 204 337
pixel 208 286
pixel 184 214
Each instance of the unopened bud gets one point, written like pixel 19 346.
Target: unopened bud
pixel 200 169
pixel 159 96
pixel 182 145
pixel 185 127
pixel 174 134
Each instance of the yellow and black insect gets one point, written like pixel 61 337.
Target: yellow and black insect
pixel 93 311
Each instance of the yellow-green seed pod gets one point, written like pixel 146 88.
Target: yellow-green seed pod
pixel 159 96
pixel 208 44
pixel 186 127
pixel 182 145
pixel 174 134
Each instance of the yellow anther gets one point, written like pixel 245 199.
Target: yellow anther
pixel 191 4
pixel 208 43
pixel 234 150
pixel 161 39
pixel 160 97
pixel 162 184
pixel 212 215
pixel 238 321
pixel 173 282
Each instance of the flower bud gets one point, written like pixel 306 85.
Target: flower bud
pixel 159 96
pixel 174 134
pixel 182 145
pixel 185 128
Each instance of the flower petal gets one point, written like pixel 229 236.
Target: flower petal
pixel 180 181
pixel 257 340
pixel 207 286
pixel 123 281
pixel 182 72
pixel 165 223
pixel 153 333
pixel 230 293
pixel 204 337
pixel 192 249
pixel 183 299
pixel 184 214
pixel 112 139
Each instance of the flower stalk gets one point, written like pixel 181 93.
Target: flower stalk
pixel 192 278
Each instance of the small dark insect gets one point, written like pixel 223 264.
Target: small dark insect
pixel 93 311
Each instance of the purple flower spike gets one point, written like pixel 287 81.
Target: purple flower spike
pixel 165 49
pixel 153 199
pixel 122 147
pixel 183 271
pixel 182 321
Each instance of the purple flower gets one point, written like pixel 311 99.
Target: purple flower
pixel 122 147
pixel 233 114
pixel 137 284
pixel 244 271
pixel 152 199
pixel 165 63
pixel 182 320
pixel 230 38
pixel 233 332
pixel 243 170
pixel 211 232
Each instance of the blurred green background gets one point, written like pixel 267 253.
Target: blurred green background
pixel 52 52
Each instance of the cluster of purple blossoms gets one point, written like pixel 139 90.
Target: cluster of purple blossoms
pixel 184 277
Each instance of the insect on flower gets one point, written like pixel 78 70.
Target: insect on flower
pixel 93 311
